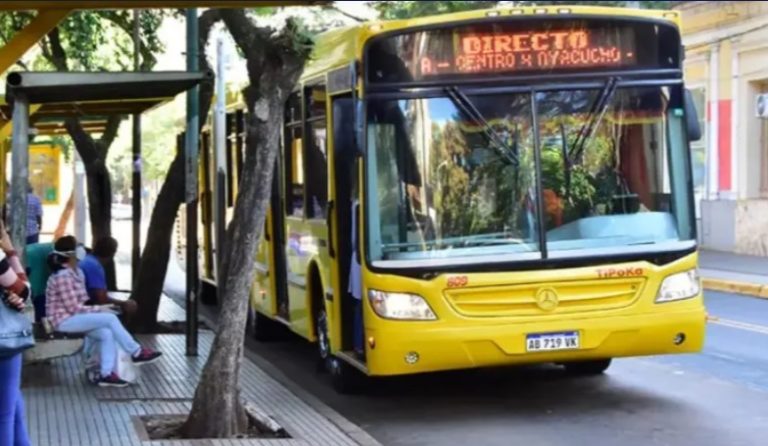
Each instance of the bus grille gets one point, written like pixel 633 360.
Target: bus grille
pixel 536 299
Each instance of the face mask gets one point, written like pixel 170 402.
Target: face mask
pixel 80 252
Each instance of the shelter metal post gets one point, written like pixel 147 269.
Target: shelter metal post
pixel 220 143
pixel 137 189
pixel 80 215
pixel 20 175
pixel 191 170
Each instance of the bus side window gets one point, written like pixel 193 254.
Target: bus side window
pixel 315 152
pixel 294 163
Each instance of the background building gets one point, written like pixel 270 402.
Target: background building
pixel 727 69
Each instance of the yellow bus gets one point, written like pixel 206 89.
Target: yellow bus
pixel 482 189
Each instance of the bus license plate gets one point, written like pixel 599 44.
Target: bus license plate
pixel 539 342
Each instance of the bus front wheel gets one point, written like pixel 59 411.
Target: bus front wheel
pixel 587 368
pixel 345 379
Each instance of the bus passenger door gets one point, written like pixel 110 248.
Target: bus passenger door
pixel 345 177
pixel 276 222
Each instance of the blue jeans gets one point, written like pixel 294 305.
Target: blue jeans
pixel 39 304
pixel 13 431
pixel 32 239
pixel 106 329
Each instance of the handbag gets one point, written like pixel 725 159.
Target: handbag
pixel 16 334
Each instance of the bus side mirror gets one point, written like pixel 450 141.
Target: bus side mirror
pixel 359 127
pixel 691 117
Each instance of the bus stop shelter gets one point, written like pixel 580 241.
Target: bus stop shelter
pixel 72 94
pixel 30 90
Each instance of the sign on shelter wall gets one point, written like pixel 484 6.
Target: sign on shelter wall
pixel 44 164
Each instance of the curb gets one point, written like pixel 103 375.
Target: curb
pixel 730 286
pixel 352 430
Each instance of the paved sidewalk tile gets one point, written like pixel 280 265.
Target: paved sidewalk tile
pixel 64 410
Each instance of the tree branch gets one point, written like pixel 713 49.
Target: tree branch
pixel 250 39
pixel 148 59
pixel 45 47
pixel 83 141
pixel 205 24
pixel 58 55
pixel 110 131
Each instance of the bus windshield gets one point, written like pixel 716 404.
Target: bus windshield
pixel 454 176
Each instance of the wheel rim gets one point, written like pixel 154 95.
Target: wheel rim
pixel 322 335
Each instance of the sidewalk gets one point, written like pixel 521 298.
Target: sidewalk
pixel 64 410
pixel 734 273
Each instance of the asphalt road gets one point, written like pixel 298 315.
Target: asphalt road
pixel 718 397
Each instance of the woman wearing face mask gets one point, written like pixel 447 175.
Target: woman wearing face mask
pixel 66 310
pixel 15 292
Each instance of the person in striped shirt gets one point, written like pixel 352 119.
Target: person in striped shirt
pixel 66 310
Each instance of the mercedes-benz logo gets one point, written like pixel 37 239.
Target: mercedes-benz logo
pixel 546 299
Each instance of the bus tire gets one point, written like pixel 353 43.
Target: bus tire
pixel 587 368
pixel 345 379
pixel 322 334
pixel 261 327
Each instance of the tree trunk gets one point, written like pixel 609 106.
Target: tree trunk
pixel 100 211
pixel 99 199
pixel 148 288
pixel 154 260
pixel 274 65
pixel 94 155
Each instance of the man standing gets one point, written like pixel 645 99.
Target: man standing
pixel 34 213
pixel 96 278
pixel 34 216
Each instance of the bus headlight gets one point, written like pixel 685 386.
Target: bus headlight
pixel 400 306
pixel 679 286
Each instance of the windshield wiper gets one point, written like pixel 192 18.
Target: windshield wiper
pixel 595 116
pixel 461 101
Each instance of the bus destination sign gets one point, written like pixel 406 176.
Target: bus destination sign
pixel 532 47
pixel 529 51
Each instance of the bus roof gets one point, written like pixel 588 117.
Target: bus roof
pixel 339 47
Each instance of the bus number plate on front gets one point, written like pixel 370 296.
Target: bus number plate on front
pixel 539 342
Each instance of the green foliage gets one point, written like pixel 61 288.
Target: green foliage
pixel 103 41
pixel 302 39
pixel 409 9
pixel 82 34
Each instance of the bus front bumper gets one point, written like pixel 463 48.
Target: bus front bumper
pixel 400 349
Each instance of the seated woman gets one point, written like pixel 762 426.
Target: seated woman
pixel 66 296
